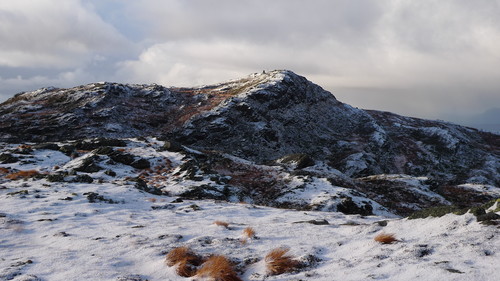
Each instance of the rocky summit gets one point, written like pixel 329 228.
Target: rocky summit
pixel 264 138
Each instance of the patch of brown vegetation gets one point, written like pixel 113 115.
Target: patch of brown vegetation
pixel 185 260
pixel 222 223
pixel 266 183
pixel 217 268
pixel 249 233
pixel 385 238
pixel 185 269
pixel 463 197
pixel 278 262
pixel 157 175
pixel 24 147
pixel 22 174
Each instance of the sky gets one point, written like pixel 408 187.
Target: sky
pixel 426 58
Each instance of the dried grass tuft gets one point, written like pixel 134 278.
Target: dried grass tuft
pixel 278 262
pixel 222 223
pixel 185 269
pixel 249 233
pixel 217 268
pixel 385 238
pixel 22 174
pixel 185 260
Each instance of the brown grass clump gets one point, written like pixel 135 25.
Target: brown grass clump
pixel 249 232
pixel 385 238
pixel 278 262
pixel 185 269
pixel 222 223
pixel 217 268
pixel 24 146
pixel 185 259
pixel 22 174
pixel 4 170
pixel 265 183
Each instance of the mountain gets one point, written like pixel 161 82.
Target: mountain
pixel 102 181
pixel 260 118
pixel 273 119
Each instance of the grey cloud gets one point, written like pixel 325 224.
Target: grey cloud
pixel 412 57
pixel 260 21
pixel 441 27
pixel 53 34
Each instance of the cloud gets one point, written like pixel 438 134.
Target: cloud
pixel 421 58
pixel 412 57
pixel 59 43
pixel 57 34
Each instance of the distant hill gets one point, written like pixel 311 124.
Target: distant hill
pixel 269 119
pixel 487 121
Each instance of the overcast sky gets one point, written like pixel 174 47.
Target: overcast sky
pixel 422 58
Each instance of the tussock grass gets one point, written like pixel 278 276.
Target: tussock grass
pixel 185 269
pixel 278 262
pixel 185 260
pixel 22 175
pixel 249 233
pixel 222 223
pixel 385 238
pixel 217 268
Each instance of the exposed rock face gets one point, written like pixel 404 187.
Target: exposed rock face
pixel 261 118
pixel 286 115
pixel 94 110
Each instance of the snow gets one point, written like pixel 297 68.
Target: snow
pixel 52 231
pixel 321 195
pixel 355 162
pixel 379 136
pixel 443 134
pixel 483 188
pixel 78 240
pixel 41 160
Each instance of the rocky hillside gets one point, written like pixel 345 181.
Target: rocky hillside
pixel 261 118
pixel 103 181
pixel 274 119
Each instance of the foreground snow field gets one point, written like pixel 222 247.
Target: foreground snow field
pixel 51 231
pixel 58 223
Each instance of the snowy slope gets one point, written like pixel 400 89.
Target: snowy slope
pixel 44 234
pixel 192 174
pixel 109 229
pixel 101 181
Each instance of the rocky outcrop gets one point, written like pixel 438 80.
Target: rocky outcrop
pixel 263 118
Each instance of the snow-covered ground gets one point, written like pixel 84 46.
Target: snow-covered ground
pixel 110 230
pixel 46 234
